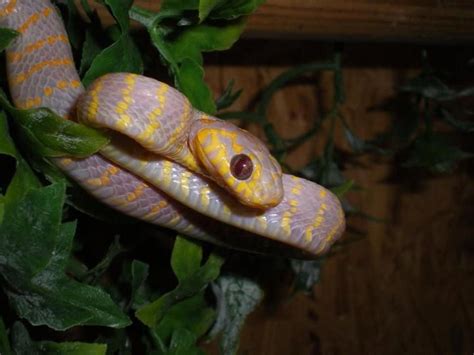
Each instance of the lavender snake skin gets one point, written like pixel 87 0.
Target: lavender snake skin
pixel 167 163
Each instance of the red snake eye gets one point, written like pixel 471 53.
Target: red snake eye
pixel 241 166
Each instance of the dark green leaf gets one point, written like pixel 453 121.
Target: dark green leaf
pixel 72 348
pixel 234 8
pixel 24 179
pixel 21 341
pixel 74 25
pixel 206 6
pixel 429 87
pixel 204 38
pixel 34 249
pixel 179 5
pixel 119 9
pixel 183 342
pixel 186 257
pixel 462 125
pixel 434 153
pixel 139 274
pixel 191 314
pixel 190 81
pixel 228 97
pixel 121 56
pixel 152 313
pixel 4 343
pixel 341 190
pixel 50 135
pixel 6 37
pixel 237 297
pixel 90 50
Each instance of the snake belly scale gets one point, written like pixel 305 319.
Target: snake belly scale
pixel 167 163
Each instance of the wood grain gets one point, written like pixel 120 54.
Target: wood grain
pixel 407 287
pixel 422 21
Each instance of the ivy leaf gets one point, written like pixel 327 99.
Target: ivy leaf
pixel 195 281
pixel 237 297
pixel 6 37
pixel 121 56
pixel 34 250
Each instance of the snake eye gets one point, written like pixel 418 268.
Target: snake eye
pixel 241 166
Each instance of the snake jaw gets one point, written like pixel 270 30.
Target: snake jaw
pixel 215 144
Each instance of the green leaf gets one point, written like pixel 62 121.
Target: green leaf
pixel 228 97
pixel 429 87
pixel 90 50
pixel 121 56
pixel 152 313
pixel 74 25
pixel 34 250
pixel 6 37
pixel 50 135
pixel 72 348
pixel 204 38
pixel 24 178
pixel 237 297
pixel 192 314
pixel 179 5
pixel 190 81
pixel 186 257
pixel 21 341
pixel 139 273
pixel 462 125
pixel 183 343
pixel 341 190
pixel 434 153
pixel 307 273
pixel 119 9
pixel 233 9
pixel 4 343
pixel 205 7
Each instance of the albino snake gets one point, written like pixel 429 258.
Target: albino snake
pixel 168 163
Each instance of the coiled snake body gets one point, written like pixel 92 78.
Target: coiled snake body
pixel 168 163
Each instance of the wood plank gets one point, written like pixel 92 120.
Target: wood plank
pixel 418 21
pixel 407 286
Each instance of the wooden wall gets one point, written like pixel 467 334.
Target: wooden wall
pixel 407 287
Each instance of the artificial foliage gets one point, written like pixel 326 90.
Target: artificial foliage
pixel 80 278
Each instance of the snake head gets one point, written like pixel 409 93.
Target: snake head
pixel 237 161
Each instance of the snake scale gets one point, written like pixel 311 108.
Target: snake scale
pixel 167 163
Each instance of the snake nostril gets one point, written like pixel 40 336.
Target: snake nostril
pixel 241 166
